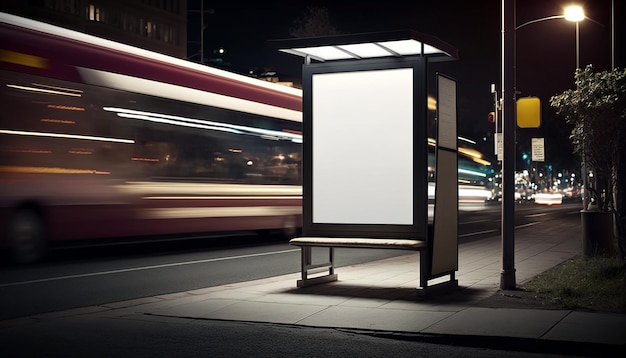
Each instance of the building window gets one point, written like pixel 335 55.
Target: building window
pixel 130 23
pixel 150 29
pixel 94 13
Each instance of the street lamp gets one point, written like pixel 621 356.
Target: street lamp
pixel 509 29
pixel 575 14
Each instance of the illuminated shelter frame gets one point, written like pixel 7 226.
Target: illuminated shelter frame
pixel 365 178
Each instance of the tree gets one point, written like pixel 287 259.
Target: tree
pixel 597 111
pixel 315 22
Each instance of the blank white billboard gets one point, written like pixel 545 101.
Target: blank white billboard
pixel 362 147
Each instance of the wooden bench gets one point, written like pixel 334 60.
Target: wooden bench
pixel 309 269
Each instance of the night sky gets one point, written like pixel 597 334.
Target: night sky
pixel 545 51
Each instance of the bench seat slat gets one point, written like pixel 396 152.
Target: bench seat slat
pixel 355 242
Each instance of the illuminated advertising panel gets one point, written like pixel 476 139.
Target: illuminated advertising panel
pixel 365 149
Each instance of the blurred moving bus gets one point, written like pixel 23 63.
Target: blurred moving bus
pixel 103 140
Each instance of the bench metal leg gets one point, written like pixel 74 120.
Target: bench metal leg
pixel 424 264
pixel 439 287
pixel 305 261
pixel 425 276
pixel 307 268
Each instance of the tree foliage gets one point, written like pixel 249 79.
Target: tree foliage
pixel 313 23
pixel 596 109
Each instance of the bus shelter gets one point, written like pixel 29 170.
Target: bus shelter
pixel 365 150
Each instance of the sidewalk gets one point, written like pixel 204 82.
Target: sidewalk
pixel 379 298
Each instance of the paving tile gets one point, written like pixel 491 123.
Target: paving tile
pixel 193 309
pixel 267 287
pixel 209 290
pixel 590 327
pixel 364 302
pixel 163 304
pixel 238 294
pixel 504 322
pixel 172 296
pixel 265 312
pixel 303 298
pixel 407 305
pixel 376 319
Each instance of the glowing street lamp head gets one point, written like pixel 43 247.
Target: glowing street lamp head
pixel 574 13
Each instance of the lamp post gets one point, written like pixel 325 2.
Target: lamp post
pixel 507 274
pixel 509 29
pixel 575 14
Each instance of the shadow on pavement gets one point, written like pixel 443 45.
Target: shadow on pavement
pixel 459 295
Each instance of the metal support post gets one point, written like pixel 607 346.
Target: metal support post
pixel 507 275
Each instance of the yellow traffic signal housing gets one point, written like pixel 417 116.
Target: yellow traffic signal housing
pixel 529 112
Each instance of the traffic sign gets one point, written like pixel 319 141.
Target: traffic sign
pixel 529 112
pixel 538 150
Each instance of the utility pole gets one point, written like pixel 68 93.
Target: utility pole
pixel 202 27
pixel 202 31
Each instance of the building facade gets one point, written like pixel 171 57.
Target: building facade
pixel 156 25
